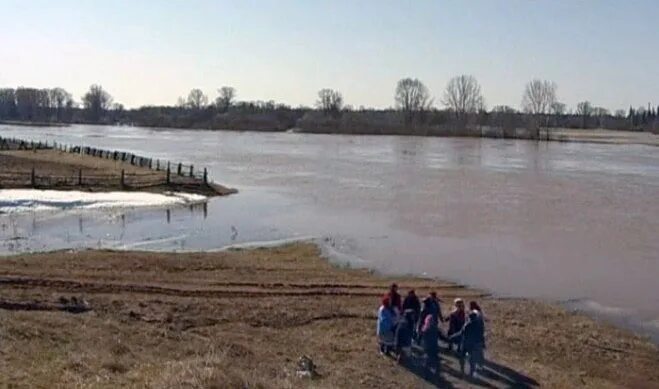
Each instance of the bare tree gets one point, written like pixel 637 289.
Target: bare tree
pixel 539 97
pixel 503 109
pixel 557 108
pixel 7 103
pixel 463 96
pixel 413 99
pixel 585 110
pixel 58 100
pixel 225 99
pixel 96 101
pixel 26 102
pixel 329 101
pixel 197 99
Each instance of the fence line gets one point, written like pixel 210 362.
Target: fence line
pixel 171 169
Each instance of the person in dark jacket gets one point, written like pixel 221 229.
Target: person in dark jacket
pixel 395 299
pixel 404 333
pixel 431 307
pixel 456 320
pixel 412 303
pixel 429 339
pixel 472 337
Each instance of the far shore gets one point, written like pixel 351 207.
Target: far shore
pixel 34 124
pixel 603 136
pixel 244 318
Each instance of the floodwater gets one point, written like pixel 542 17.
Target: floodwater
pixel 570 222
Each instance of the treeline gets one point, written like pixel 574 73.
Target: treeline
pixel 56 105
pixel 464 112
pixel 461 110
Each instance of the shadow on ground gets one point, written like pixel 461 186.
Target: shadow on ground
pixel 492 375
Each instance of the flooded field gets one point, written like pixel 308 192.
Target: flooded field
pixel 573 222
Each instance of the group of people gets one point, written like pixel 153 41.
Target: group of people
pixel 402 322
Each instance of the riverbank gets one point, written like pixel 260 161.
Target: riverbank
pixel 215 319
pixel 359 126
pixel 335 126
pixel 56 169
pixel 34 124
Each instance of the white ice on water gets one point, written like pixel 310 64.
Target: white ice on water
pixel 32 200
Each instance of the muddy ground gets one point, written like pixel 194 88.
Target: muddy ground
pixel 243 318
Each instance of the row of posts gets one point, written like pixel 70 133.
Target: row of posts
pixel 100 153
pixel 33 177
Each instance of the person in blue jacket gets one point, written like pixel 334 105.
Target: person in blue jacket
pixel 386 326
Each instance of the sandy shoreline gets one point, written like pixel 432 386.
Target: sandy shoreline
pixel 204 319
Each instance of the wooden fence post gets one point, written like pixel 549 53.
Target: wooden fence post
pixel 205 176
pixel 180 167
pixel 157 165
pixel 122 179
pixel 191 170
pixel 168 173
pixel 33 178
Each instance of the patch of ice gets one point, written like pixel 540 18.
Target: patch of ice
pixel 265 244
pixel 34 200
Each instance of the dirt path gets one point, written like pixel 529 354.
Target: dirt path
pixel 243 318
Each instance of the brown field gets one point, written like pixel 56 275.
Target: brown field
pixel 241 319
pixel 60 170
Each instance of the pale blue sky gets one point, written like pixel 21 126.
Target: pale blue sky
pixel 151 52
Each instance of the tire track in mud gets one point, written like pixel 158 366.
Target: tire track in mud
pixel 294 285
pixel 64 285
pixel 41 306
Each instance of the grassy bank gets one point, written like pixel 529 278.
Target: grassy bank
pixel 55 169
pixel 243 318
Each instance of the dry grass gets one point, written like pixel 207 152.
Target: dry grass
pixel 99 174
pixel 242 319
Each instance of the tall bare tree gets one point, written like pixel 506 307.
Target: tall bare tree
pixel 557 108
pixel 7 103
pixel 463 96
pixel 503 109
pixel 58 100
pixel 538 97
pixel 197 99
pixel 225 99
pixel 27 100
pixel 585 110
pixel 329 101
pixel 413 99
pixel 96 102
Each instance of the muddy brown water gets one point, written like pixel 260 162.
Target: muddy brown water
pixel 570 222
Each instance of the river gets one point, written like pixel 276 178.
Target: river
pixel 576 223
